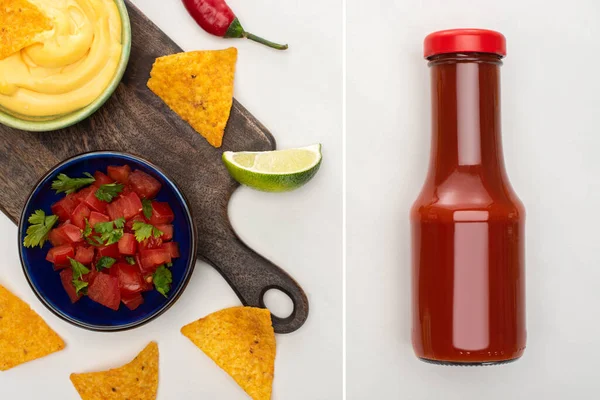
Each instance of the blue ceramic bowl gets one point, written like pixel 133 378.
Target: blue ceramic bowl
pixel 87 314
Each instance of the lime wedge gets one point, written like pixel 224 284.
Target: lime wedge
pixel 274 171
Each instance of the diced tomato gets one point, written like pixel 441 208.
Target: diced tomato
pixel 59 256
pixel 129 276
pixel 146 276
pixel 143 184
pixel 57 237
pixel 94 203
pixel 133 205
pixel 72 233
pixel 104 289
pixel 127 206
pixel 134 219
pixel 151 243
pixel 102 179
pixel 148 286
pixel 89 278
pixel 161 213
pixel 126 190
pixel 84 254
pixel 173 249
pixel 66 277
pixel 127 244
pixel 79 215
pixel 132 301
pixel 115 209
pixel 64 208
pixel 96 217
pixel 82 194
pixel 167 231
pixel 108 251
pixel 119 174
pixel 152 258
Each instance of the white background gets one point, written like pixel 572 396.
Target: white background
pixel 298 95
pixel 551 102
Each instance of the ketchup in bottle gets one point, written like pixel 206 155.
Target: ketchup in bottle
pixel 468 277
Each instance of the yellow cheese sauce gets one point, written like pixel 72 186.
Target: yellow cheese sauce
pixel 70 66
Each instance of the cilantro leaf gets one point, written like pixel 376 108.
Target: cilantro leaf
pixel 113 237
pixel 88 229
pixel 169 264
pixel 38 217
pixel 87 234
pixel 70 185
pixel 78 269
pixel 108 192
pixel 162 279
pixel 144 231
pixel 104 227
pixel 37 232
pixel 120 223
pixel 130 260
pixel 105 263
pixel 80 286
pixel 109 234
pixel 147 208
pixel 95 241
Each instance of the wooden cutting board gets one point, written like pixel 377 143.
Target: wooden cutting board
pixel 136 121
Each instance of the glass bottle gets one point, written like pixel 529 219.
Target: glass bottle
pixel 467 224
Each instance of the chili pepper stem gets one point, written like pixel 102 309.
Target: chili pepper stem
pixel 237 31
pixel 258 39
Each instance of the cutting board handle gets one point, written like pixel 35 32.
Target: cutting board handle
pixel 251 276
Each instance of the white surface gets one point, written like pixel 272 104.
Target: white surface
pixel 297 95
pixel 550 106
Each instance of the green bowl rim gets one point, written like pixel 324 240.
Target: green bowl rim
pixel 81 114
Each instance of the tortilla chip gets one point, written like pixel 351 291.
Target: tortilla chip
pixel 241 341
pixel 137 380
pixel 198 86
pixel 20 23
pixel 24 336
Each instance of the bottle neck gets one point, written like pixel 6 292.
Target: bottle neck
pixel 466 128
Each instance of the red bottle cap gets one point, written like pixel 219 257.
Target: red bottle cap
pixel 465 41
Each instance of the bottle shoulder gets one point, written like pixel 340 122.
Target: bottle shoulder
pixel 468 196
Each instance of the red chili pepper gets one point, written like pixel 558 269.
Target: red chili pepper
pixel 216 18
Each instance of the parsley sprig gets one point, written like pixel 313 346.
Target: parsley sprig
pixel 144 231
pixel 78 268
pixel 110 231
pixel 162 279
pixel 64 184
pixel 78 271
pixel 109 191
pixel 80 286
pixel 94 240
pixel 105 263
pixel 147 208
pixel 37 232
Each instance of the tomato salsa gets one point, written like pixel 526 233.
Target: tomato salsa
pixel 111 240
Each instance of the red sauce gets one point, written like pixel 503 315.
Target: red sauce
pixel 467 224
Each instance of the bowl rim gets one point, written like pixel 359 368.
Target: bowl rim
pixel 66 120
pixel 189 267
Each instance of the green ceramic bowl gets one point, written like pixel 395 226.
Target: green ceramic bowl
pixel 64 120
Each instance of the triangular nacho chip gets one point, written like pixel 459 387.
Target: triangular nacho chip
pixel 198 86
pixel 137 380
pixel 24 336
pixel 241 341
pixel 20 23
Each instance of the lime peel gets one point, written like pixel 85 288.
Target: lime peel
pixel 274 171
